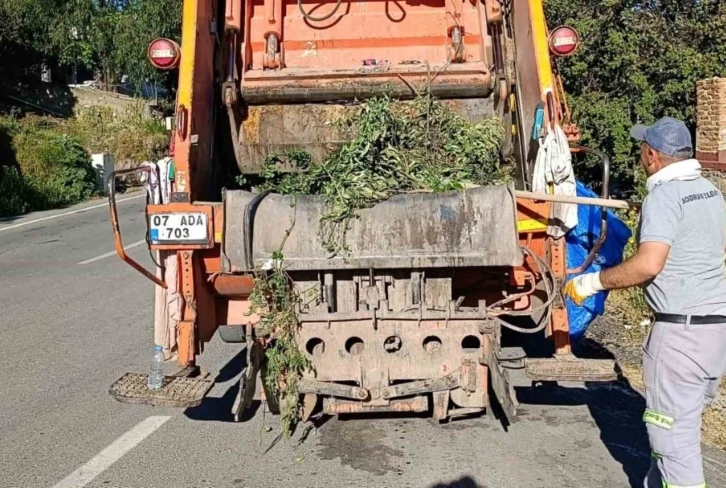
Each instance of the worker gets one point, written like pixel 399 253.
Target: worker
pixel 680 264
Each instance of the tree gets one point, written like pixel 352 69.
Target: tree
pixel 638 61
pixel 111 36
pixel 142 22
pixel 24 34
pixel 107 37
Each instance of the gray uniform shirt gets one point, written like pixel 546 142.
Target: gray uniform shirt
pixel 690 216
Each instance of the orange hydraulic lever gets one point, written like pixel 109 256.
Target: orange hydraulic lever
pixel 117 229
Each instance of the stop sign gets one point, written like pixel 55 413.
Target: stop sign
pixel 163 53
pixel 564 41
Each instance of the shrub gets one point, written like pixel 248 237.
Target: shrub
pixel 45 162
pixel 13 187
pixel 94 127
pixel 637 62
pixel 42 167
pixel 14 191
pixel 56 166
pixel 132 136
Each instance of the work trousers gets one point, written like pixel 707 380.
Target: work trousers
pixel 682 368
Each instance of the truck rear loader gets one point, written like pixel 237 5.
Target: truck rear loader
pixel 429 307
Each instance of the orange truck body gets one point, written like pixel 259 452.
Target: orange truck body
pixel 258 73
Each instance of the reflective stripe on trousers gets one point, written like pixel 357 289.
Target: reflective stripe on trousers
pixel 682 369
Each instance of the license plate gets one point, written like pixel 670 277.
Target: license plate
pixel 171 228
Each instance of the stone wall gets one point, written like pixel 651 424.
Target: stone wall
pixel 91 97
pixel 65 100
pixel 711 123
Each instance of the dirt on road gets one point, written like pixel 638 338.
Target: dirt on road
pixel 624 341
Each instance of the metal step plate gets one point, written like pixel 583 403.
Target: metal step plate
pixel 571 369
pixel 176 391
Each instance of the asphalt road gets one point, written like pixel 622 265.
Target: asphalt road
pixel 69 330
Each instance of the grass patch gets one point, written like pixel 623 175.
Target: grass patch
pixel 43 167
pixel 45 162
pixel 132 137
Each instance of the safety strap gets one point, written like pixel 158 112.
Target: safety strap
pixel 658 419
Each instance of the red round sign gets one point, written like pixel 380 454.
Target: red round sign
pixel 564 41
pixel 163 53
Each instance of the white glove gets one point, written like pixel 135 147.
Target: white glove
pixel 586 285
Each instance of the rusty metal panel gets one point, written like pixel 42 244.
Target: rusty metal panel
pixel 501 385
pixel 276 129
pixel 527 78
pixel 570 368
pixel 417 404
pixel 186 343
pixel 441 404
pixel 400 294
pixel 446 383
pixel 423 351
pixel 437 292
pixel 303 91
pixel 559 325
pixel 331 389
pixel 476 227
pixel 206 308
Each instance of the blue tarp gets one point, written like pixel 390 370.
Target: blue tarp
pixel 579 241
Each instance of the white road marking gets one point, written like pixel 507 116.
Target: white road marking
pixel 113 253
pixel 86 473
pixel 68 213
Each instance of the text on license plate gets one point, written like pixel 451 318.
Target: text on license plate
pixel 178 227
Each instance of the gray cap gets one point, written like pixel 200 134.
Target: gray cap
pixel 668 136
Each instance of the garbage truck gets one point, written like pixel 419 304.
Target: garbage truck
pixel 438 295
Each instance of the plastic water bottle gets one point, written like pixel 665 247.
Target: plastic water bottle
pixel 156 375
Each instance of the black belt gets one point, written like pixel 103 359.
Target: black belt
pixel 673 318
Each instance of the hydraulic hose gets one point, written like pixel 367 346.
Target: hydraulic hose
pixel 551 291
pixel 310 18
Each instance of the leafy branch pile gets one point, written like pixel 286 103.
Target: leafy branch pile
pixel 276 301
pixel 424 145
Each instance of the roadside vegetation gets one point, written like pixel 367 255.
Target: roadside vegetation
pixel 42 168
pixel 45 162
pixel 107 38
pixel 637 62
